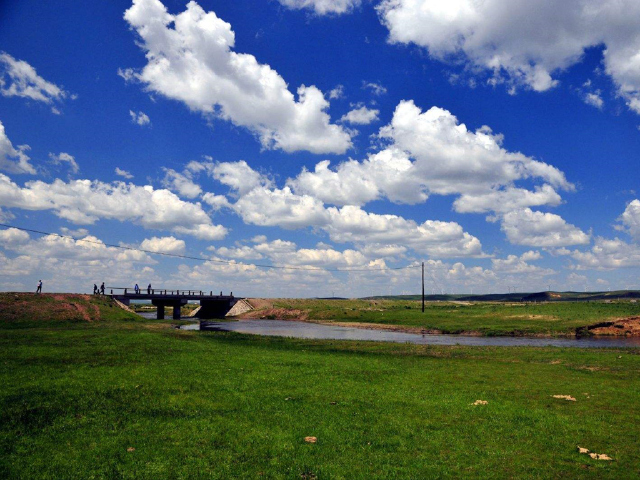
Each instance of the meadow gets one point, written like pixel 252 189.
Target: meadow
pixel 124 397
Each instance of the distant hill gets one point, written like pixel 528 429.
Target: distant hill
pixel 519 297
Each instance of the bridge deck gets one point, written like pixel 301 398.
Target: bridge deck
pixel 173 296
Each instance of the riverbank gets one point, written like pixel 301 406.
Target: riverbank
pixel 139 399
pixel 465 318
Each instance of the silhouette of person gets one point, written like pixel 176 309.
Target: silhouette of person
pixel 39 289
pixel 102 288
pixel 95 289
pixel 137 289
pixel 149 289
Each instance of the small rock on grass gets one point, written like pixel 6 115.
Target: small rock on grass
pixel 131 449
pixel 565 397
pixel 600 456
pixel 480 402
pixel 310 439
pixel 595 456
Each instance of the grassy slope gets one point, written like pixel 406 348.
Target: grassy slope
pixel 488 318
pixel 77 395
pixel 29 309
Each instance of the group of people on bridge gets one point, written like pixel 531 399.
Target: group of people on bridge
pixel 137 289
pixel 97 291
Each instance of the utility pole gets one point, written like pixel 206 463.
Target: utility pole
pixel 422 287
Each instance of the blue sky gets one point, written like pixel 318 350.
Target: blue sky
pixel 496 141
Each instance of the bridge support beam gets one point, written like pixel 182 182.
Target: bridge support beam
pixel 175 303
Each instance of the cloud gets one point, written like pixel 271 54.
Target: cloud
pixel 181 182
pixel 524 44
pixel 266 205
pixel 242 253
pixel 361 116
pixel 594 99
pixel 123 173
pixel 337 92
pixel 631 220
pixel 13 160
pixel 19 79
pixel 385 174
pixel 280 207
pixel 78 233
pixel 12 237
pixel 163 244
pixel 432 237
pixel 607 254
pixel 323 7
pixel 191 59
pixel 537 229
pixel 432 153
pixel 375 88
pixel 84 202
pixel 519 265
pixel 506 200
pixel 239 176
pixel 84 262
pixel 139 118
pixel 63 157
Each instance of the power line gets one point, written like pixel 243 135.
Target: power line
pixel 208 259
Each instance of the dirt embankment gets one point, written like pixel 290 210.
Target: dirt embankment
pixel 264 309
pixel 55 306
pixel 627 327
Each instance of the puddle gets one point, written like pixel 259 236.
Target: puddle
pixel 281 328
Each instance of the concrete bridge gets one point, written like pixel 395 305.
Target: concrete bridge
pixel 211 306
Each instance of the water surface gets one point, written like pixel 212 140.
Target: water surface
pixel 281 328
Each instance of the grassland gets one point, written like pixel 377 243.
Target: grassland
pixel 123 397
pixel 486 318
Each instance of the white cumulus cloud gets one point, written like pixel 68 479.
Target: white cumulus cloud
pixel 63 157
pixel 163 244
pixel 123 173
pixel 191 59
pixel 433 153
pixel 84 202
pixel 19 79
pixel 361 116
pixel 323 7
pixel 538 229
pixel 524 43
pixel 13 160
pixel 631 219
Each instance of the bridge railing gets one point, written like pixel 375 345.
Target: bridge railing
pixel 164 291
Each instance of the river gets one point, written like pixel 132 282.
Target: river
pixel 281 328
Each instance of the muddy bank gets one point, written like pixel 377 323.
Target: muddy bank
pixel 622 327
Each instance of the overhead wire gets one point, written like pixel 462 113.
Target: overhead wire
pixel 207 259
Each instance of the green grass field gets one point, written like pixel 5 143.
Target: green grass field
pixel 554 318
pixel 129 398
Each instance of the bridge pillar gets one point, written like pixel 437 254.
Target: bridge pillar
pixel 160 312
pixel 176 312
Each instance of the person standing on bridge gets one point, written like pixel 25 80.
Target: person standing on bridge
pixel 149 289
pixel 102 288
pixel 95 289
pixel 137 289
